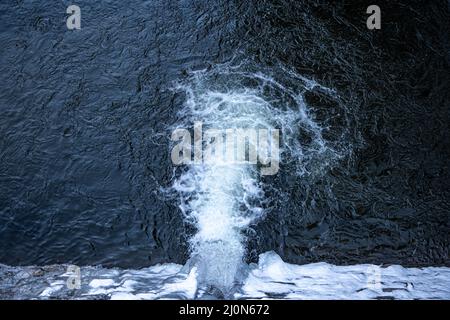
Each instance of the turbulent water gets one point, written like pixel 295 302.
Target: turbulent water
pixel 221 198
pixel 86 175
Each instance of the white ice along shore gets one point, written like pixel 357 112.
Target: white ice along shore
pixel 271 278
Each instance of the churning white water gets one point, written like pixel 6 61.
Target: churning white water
pixel 220 198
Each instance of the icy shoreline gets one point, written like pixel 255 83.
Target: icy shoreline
pixel 270 279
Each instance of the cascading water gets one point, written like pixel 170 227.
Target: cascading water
pixel 223 199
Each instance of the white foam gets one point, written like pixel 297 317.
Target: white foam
pixel 273 278
pixel 96 283
pixel 54 287
pixel 223 199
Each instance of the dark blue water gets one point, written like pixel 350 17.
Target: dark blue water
pixel 84 150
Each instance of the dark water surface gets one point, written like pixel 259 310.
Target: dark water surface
pixel 84 150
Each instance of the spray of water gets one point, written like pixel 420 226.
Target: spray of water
pixel 223 199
